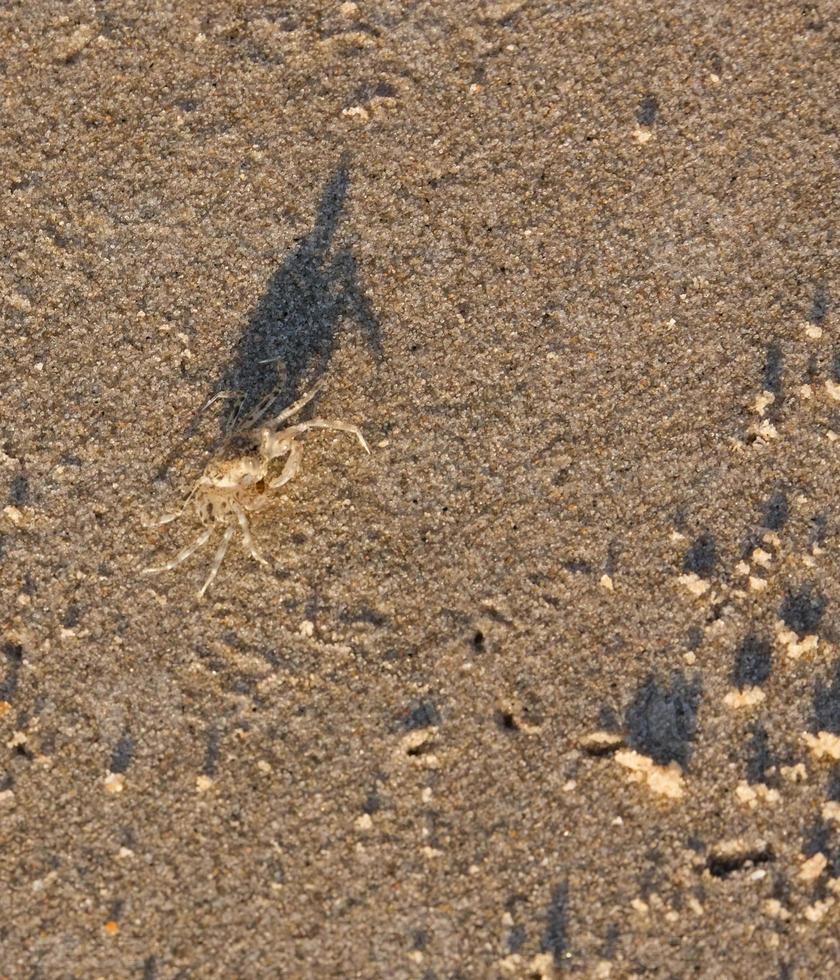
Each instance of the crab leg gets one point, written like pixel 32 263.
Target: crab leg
pixel 247 537
pixel 171 516
pixel 166 518
pixel 256 412
pixel 218 558
pixel 216 397
pixel 290 467
pixel 338 426
pixel 295 407
pixel 182 555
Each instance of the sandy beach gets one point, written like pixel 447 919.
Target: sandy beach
pixel 548 682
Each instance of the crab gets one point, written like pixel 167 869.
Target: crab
pixel 243 479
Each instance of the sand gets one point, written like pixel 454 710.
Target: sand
pixel 491 709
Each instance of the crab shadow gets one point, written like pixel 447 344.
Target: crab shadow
pixel 292 333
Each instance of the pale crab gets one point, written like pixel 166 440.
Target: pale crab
pixel 238 481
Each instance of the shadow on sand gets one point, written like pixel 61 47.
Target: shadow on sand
pixel 291 334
